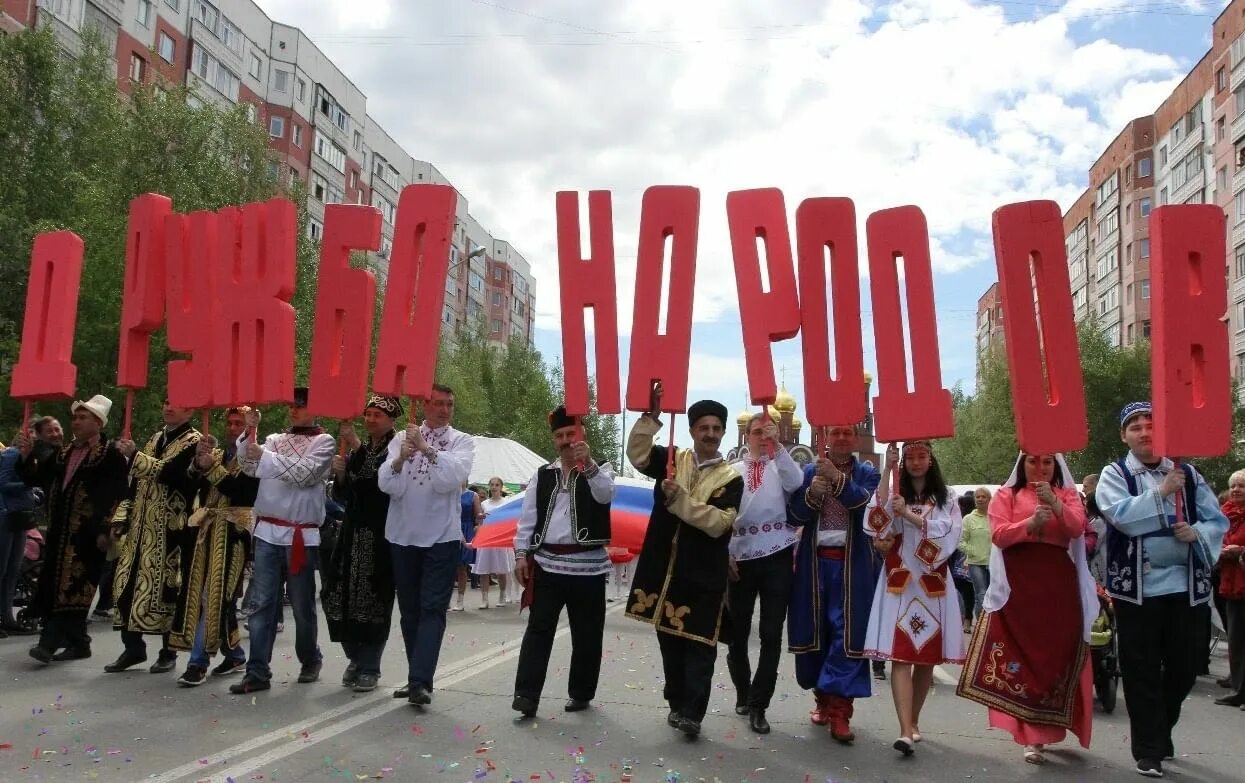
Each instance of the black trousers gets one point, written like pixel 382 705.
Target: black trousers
pixel 584 599
pixel 136 643
pixel 65 629
pixel 770 579
pixel 104 604
pixel 1161 650
pixel 688 666
pixel 1236 644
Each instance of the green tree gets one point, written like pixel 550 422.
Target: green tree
pixel 80 152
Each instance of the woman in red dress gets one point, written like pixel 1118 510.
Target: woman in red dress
pixel 1232 588
pixel 1028 660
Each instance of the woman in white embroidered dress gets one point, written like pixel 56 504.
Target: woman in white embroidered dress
pixel 915 622
pixel 493 562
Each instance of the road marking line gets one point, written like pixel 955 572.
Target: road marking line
pixel 340 719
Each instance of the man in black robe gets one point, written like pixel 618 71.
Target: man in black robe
pixel 683 570
pixel 358 583
pixel 84 483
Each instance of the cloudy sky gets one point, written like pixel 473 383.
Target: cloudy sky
pixel 956 106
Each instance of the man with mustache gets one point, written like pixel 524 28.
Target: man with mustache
pixel 560 559
pixel 1158 570
pixel 681 576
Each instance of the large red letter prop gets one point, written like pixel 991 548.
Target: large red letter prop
pixel 667 211
pixel 253 351
pixel 771 316
pixel 341 347
pixel 142 308
pixel 822 223
pixel 588 283
pixel 410 326
pixel 924 412
pixel 190 265
pixel 1046 421
pixel 45 368
pixel 1189 374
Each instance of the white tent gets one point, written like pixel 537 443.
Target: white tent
pixel 513 462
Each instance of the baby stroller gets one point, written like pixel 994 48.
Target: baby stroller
pixel 28 578
pixel 1104 648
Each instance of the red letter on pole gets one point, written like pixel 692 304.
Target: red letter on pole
pixel 190 261
pixel 766 316
pixel 588 283
pixel 253 350
pixel 410 327
pixel 821 224
pixel 45 367
pixel 1048 398
pixel 924 412
pixel 142 308
pixel 667 211
pixel 341 346
pixel 1189 372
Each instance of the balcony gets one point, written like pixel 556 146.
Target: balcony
pixel 1238 75
pixel 116 9
pixel 1238 289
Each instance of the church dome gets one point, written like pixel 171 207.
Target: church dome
pixel 784 402
pixel 868 377
pixel 743 418
pixel 796 424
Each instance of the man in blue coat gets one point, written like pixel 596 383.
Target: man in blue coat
pixel 835 577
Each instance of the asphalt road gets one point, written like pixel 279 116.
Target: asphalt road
pixel 73 722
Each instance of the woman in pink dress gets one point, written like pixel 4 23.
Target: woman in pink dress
pixel 1028 660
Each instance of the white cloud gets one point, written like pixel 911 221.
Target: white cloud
pixel 948 105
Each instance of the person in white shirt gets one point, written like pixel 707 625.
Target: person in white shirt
pixel 292 468
pixel 423 478
pixel 761 547
pixel 560 559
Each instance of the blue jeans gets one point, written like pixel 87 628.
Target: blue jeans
pixel 270 559
pixel 199 657
pixel 12 550
pixel 424 577
pixel 981 580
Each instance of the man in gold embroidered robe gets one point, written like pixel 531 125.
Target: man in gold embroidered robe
pixel 206 619
pixel 156 548
pixel 681 576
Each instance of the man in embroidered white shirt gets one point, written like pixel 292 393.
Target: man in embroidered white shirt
pixel 292 467
pixel 560 559
pixel 762 545
pixel 423 477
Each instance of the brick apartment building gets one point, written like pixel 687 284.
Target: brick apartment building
pixel 230 52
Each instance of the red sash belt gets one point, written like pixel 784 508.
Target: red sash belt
pixel 831 552
pixel 299 554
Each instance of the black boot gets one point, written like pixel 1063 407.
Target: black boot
pixel 757 721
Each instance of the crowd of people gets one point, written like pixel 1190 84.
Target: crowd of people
pixel 862 566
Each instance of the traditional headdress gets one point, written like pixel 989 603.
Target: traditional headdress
pixel 390 406
pixel 1134 409
pixel 559 418
pixel 706 408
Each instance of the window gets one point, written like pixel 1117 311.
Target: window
pixel 477 282
pixel 1128 293
pixel 1221 79
pixel 1221 129
pixel 274 169
pixel 297 134
pixel 207 15
pixel 1238 51
pixel 1106 190
pixel 1145 248
pixel 334 194
pixel 1108 225
pixel 358 141
pixel 210 70
pixel 1240 261
pixel 495 326
pixel 1130 334
pixel 1143 167
pixel 143 13
pixel 1145 292
pixel 1177 132
pixel 1162 197
pixel 340 118
pixel 220 26
pixel 333 154
pixel 176 5
pixel 386 246
pixel 1221 178
pixel 451 287
pixel 137 67
pixel 1128 174
pixel 276 127
pixel 1143 207
pixel 1145 330
pixel 300 89
pixel 1240 206
pixel 252 114
pixel 448 316
pixel 315 229
pixel 165 47
pixel 388 174
pixel 385 206
pixel 1238 100
pixel 230 36
pixel 280 80
pixel 520 284
pixel 319 188
pixel 498 274
pixel 497 299
pixel 1163 155
pixel 256 66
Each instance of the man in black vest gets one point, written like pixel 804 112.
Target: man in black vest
pixel 560 559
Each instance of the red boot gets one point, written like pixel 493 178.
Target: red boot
pixel 820 715
pixel 840 713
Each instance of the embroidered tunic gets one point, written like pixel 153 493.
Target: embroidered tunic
pixel 359 589
pixel 423 497
pixel 560 528
pixel 915 616
pixel 157 547
pixel 761 528
pixel 681 576
pixel 292 471
pixel 80 508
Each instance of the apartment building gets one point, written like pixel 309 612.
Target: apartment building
pixel 1228 113
pixel 989 321
pixel 230 52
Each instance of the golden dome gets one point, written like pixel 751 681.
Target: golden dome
pixel 796 424
pixel 868 377
pixel 743 418
pixel 784 402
